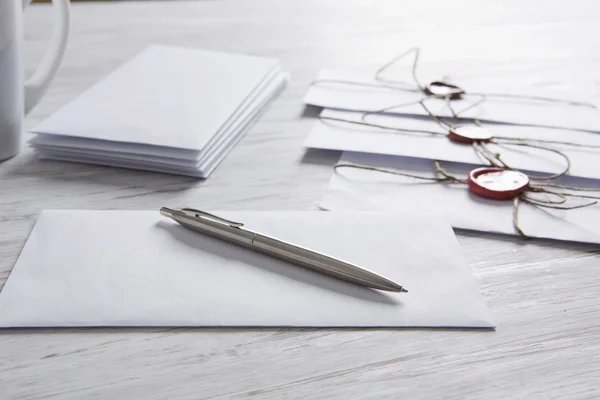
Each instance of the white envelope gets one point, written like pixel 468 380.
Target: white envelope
pixel 514 111
pixel 354 189
pixel 168 109
pixel 335 135
pixel 199 92
pixel 136 268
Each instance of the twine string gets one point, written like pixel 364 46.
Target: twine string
pixel 523 197
pixel 557 200
pixel 445 175
pixel 417 86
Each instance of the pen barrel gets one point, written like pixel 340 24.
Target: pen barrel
pixel 288 252
pixel 319 262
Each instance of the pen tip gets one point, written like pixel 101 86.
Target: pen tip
pixel 402 290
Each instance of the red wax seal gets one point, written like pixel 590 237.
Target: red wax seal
pixel 497 183
pixel 444 90
pixel 469 134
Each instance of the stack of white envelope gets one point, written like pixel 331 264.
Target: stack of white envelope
pixel 169 109
pixel 397 139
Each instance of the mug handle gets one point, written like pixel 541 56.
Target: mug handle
pixel 36 86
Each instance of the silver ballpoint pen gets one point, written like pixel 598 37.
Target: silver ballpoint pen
pixel 233 232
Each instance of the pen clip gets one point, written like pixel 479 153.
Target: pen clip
pixel 192 212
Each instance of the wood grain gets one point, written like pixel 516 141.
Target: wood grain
pixel 544 295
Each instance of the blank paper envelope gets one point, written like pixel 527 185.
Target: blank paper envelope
pixel 136 268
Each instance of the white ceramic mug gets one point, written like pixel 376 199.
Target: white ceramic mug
pixel 17 98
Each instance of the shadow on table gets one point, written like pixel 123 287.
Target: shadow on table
pixel 311 111
pixel 589 249
pixel 321 157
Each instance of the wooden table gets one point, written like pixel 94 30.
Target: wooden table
pixel 544 296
